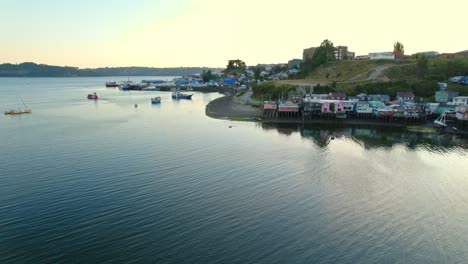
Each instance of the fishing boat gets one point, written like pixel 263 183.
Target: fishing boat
pixel 156 100
pixel 93 96
pixel 111 84
pixel 20 110
pixel 178 95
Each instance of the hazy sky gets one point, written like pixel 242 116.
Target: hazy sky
pixel 166 33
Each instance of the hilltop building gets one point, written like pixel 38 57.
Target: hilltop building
pixel 342 53
pixel 308 53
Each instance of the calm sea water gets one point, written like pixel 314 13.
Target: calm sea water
pixel 105 182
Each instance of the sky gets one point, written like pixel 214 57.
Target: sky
pixel 189 33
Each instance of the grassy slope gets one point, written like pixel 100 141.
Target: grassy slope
pixel 401 73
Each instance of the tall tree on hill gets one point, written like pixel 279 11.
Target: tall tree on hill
pixel 235 65
pixel 323 54
pixel 398 46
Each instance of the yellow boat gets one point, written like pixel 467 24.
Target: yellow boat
pixel 18 112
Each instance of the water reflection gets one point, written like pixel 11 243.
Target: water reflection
pixel 371 137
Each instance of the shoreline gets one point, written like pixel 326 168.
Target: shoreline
pixel 227 108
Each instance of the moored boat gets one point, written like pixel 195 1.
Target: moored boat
pixel 179 95
pixel 18 112
pixel 93 96
pixel 156 100
pixel 111 84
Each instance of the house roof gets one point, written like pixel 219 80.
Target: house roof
pixel 405 94
pixel 379 96
pixel 338 94
pixel 361 94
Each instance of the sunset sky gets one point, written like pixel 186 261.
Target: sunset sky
pixel 169 33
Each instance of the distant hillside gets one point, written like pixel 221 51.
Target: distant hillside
pixel 30 69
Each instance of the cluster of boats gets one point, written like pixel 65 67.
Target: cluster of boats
pixel 145 85
pixel 176 94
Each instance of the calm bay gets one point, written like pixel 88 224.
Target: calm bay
pixel 103 181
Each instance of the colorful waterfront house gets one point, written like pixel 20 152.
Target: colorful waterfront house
pixel 326 107
pixel 445 96
pixel 311 106
pixel 353 98
pixel 445 108
pixel 460 100
pixel 339 107
pixel 270 105
pixel 461 112
pixel 405 96
pixel 379 108
pixel 362 107
pixel 348 106
pixel 379 97
pixel 288 107
pixel 337 96
pixel 362 97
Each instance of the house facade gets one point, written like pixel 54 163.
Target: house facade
pixel 362 107
pixel 379 97
pixel 288 107
pixel 270 105
pixel 460 100
pixel 405 96
pixel 445 96
pixel 461 112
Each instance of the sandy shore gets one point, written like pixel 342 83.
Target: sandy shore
pixel 226 108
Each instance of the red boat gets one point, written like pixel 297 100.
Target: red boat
pixel 111 84
pixel 93 96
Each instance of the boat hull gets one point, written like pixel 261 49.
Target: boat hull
pixel 27 111
pixel 182 96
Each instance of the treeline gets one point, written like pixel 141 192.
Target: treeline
pixel 273 91
pixel 30 69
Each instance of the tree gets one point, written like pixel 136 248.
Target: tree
pixel 207 76
pixel 257 70
pixel 235 65
pixel 323 54
pixel 422 65
pixel 398 46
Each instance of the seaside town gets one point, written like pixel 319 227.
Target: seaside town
pixel 282 92
pixel 332 85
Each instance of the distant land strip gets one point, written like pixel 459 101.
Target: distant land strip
pixel 30 69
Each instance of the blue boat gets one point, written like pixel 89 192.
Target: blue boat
pixel 178 95
pixel 156 100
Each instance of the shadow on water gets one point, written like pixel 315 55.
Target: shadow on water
pixel 371 137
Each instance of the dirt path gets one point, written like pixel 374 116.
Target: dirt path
pixel 377 73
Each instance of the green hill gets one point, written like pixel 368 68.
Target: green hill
pixel 383 77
